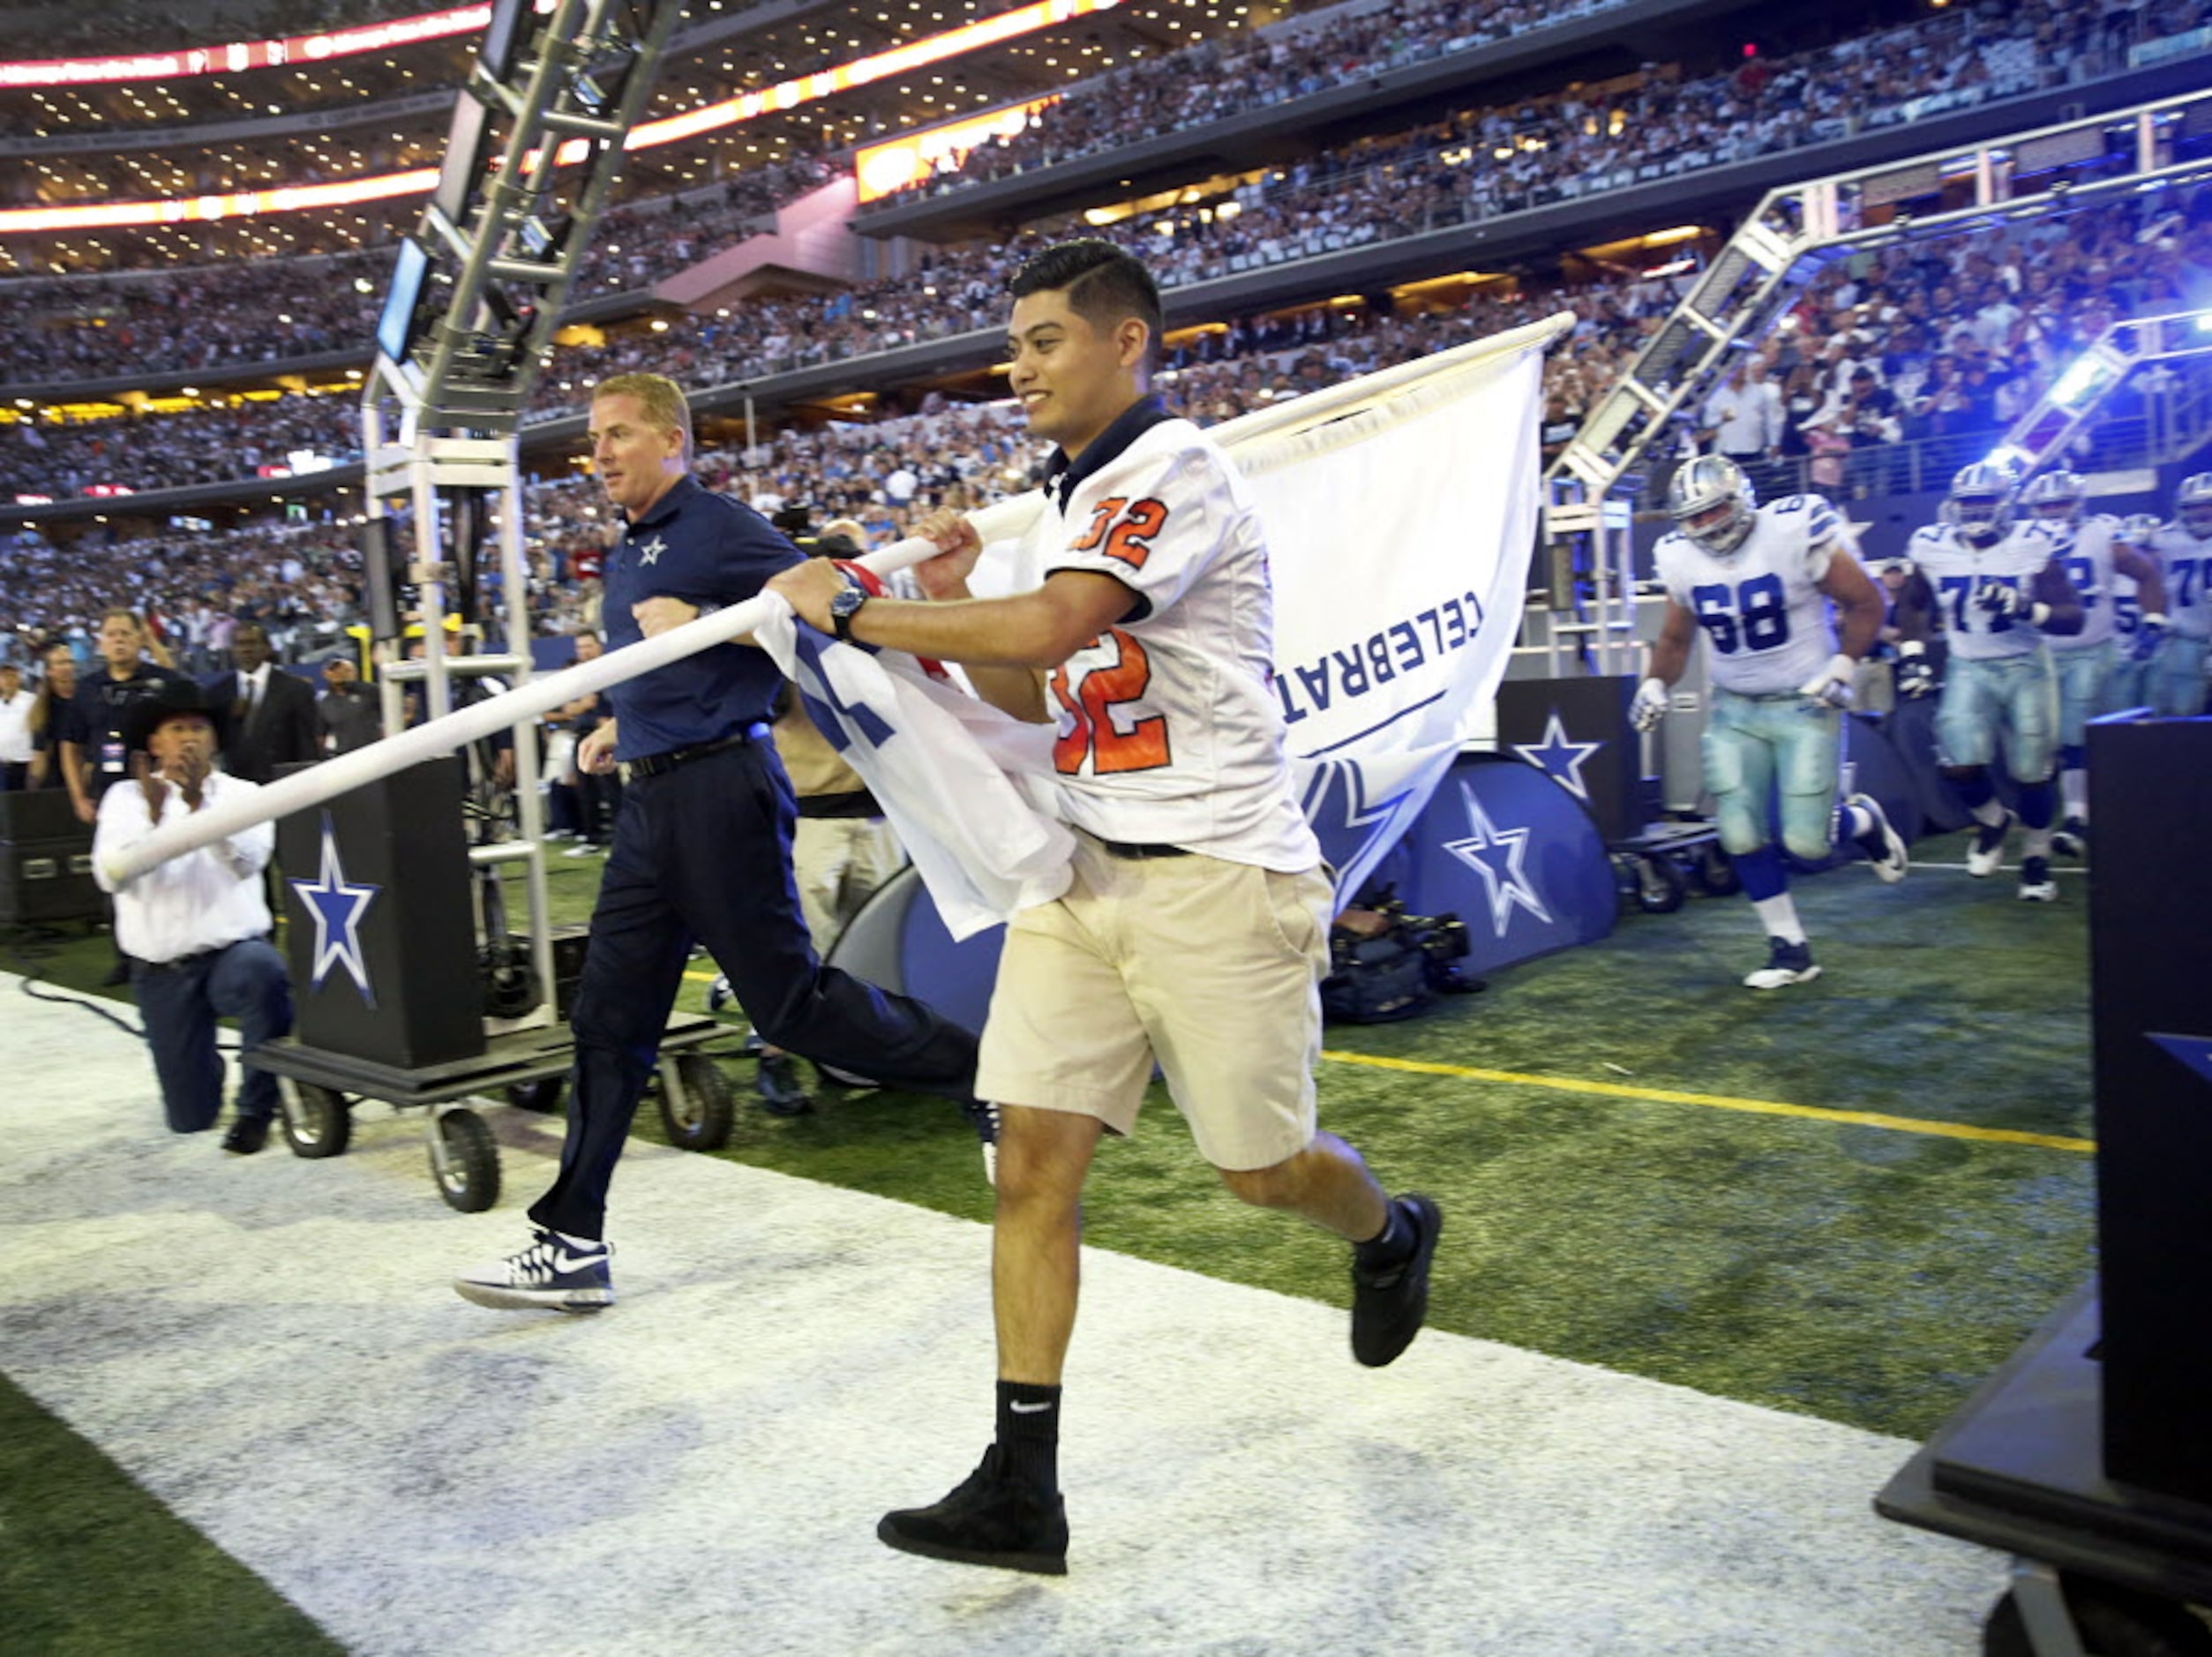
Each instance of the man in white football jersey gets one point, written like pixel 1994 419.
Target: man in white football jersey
pixel 1999 587
pixel 2184 550
pixel 1757 580
pixel 2094 552
pixel 1195 928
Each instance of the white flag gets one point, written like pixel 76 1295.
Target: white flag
pixel 1401 513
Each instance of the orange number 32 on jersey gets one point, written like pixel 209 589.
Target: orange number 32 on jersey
pixel 1125 528
pixel 1090 701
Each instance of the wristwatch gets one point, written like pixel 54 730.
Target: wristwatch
pixel 844 607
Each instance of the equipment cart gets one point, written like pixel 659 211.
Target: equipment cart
pixel 319 1088
pixel 1657 868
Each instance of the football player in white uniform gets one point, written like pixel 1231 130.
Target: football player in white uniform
pixel 1195 928
pixel 2135 636
pixel 1999 587
pixel 2184 550
pixel 2094 552
pixel 1757 580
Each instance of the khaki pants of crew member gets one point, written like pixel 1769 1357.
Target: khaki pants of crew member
pixel 838 862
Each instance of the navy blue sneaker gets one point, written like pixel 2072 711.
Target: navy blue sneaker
pixel 778 1086
pixel 557 1271
pixel 989 1519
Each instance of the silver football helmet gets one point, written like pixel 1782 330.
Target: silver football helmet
pixel 2193 505
pixel 2055 498
pixel 1711 502
pixel 1980 507
pixel 2137 529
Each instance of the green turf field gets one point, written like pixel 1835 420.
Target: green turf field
pixel 1619 1185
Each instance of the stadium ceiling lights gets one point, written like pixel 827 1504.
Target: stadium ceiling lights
pixel 747 107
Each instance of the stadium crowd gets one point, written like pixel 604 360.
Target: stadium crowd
pixel 1953 59
pixel 1975 353
pixel 1478 165
pixel 1936 340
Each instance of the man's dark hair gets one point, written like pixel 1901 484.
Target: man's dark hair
pixel 1104 285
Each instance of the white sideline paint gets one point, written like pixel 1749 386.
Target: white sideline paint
pixel 270 1347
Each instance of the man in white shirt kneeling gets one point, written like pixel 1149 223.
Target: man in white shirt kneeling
pixel 196 927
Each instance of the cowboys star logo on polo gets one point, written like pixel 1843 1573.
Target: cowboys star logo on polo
pixel 337 906
pixel 1559 758
pixel 649 552
pixel 1496 855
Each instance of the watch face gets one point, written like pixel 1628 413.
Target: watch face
pixel 850 600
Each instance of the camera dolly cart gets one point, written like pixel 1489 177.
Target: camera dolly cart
pixel 318 1088
pixel 2100 1568
pixel 1657 868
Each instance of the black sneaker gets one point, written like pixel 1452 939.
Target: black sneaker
pixel 247 1135
pixel 988 1519
pixel 984 1118
pixel 1389 1306
pixel 1787 963
pixel 567 1274
pixel 2072 839
pixel 779 1088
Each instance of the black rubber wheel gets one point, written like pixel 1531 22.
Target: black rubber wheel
pixel 470 1177
pixel 2111 1622
pixel 1660 886
pixel 702 1120
pixel 318 1120
pixel 544 1094
pixel 1715 875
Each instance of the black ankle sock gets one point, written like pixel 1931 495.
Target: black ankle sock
pixel 1394 1242
pixel 1029 1432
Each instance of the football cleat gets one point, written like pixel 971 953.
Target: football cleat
pixel 2036 884
pixel 2072 838
pixel 718 996
pixel 1786 964
pixel 1884 846
pixel 1988 850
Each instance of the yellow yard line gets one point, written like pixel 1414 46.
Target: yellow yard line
pixel 1715 1101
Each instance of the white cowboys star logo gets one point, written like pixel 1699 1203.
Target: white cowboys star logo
pixel 649 552
pixel 337 908
pixel 1560 758
pixel 1495 854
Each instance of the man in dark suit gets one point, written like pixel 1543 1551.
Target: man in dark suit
pixel 265 718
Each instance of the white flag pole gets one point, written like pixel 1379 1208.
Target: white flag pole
pixel 378 760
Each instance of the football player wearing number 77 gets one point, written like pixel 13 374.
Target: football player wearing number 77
pixel 1195 928
pixel 1759 580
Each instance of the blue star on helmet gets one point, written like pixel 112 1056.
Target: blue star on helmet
pixel 1496 855
pixel 1560 758
pixel 337 907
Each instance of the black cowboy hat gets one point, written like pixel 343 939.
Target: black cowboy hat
pixel 144 713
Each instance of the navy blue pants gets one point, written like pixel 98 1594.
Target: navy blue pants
pixel 180 1005
pixel 703 854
